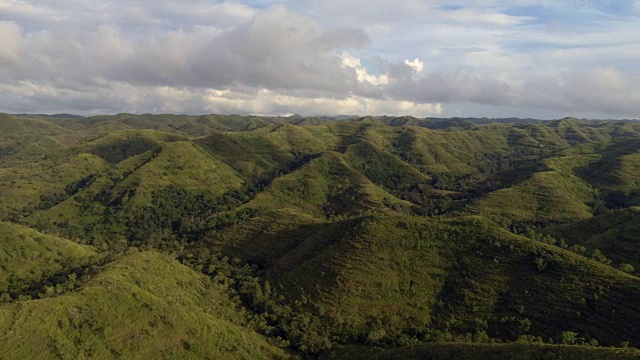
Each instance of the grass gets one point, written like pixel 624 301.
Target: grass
pixel 326 186
pixel 616 234
pixel 143 305
pixel 26 255
pixel 552 196
pixel 398 274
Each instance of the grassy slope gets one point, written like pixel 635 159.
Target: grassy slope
pixel 618 166
pixel 616 234
pixel 554 196
pixel 13 125
pixel 184 165
pixel 144 305
pixel 27 255
pixel 135 178
pixel 327 185
pixel 24 184
pixel 395 273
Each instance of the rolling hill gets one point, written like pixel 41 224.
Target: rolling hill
pixel 276 237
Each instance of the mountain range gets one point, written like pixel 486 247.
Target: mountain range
pixel 227 236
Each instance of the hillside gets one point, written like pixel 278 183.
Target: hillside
pixel 143 305
pixel 616 235
pixel 28 257
pixel 398 274
pixel 307 237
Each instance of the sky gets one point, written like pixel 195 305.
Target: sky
pixel 486 58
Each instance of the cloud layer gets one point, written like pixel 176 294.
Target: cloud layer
pixel 420 58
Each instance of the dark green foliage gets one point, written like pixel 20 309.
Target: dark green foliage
pixel 47 202
pixel 116 151
pixel 272 314
pixel 67 279
pixel 459 351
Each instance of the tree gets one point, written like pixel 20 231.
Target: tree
pixel 599 256
pixel 568 337
pixel 628 268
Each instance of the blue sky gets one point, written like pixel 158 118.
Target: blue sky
pixel 494 58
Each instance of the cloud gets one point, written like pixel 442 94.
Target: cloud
pixel 274 61
pixel 276 49
pixel 453 87
pixel 596 90
pixel 18 9
pixel 362 75
pixel 416 65
pixel 164 99
pixel 11 35
pixel 483 17
pixel 602 90
pixel 269 102
pixel 256 57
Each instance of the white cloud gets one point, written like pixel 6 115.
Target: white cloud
pixel 416 65
pixel 269 102
pixel 163 99
pixel 361 73
pixel 480 17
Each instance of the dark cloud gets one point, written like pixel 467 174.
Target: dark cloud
pixel 276 49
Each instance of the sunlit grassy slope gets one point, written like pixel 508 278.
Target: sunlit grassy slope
pixel 326 186
pixel 144 305
pixel 27 255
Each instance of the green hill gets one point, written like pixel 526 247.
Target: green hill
pixel 552 196
pixel 616 235
pixel 143 305
pixel 13 125
pixel 27 257
pixel 326 186
pixel 380 278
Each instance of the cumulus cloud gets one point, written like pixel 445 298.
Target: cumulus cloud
pixel 275 49
pixel 362 75
pixel 142 56
pixel 269 102
pixel 416 65
pixel 597 90
pixel 288 57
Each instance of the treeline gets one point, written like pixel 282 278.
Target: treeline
pixel 69 278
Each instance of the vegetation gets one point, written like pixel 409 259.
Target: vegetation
pixel 165 236
pixel 442 351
